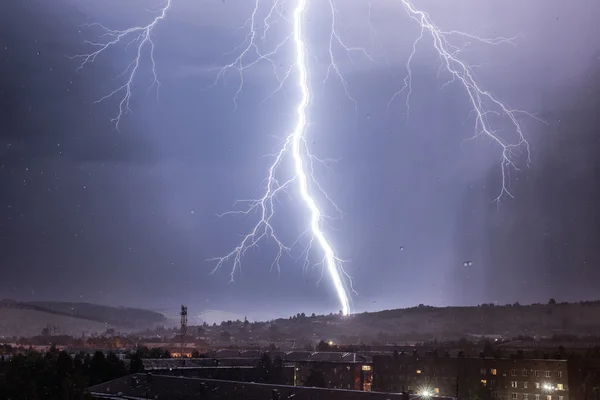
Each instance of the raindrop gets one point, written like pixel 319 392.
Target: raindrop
pixel 368 116
pixel 401 248
pixel 468 263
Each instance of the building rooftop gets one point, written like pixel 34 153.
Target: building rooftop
pixel 144 386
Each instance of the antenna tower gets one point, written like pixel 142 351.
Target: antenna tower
pixel 183 327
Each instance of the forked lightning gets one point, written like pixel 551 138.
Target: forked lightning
pixel 293 161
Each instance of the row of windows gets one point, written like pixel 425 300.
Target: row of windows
pixel 525 396
pixel 538 385
pixel 524 372
pixel 525 385
pixel 494 371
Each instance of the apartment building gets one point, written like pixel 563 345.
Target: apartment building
pixel 481 378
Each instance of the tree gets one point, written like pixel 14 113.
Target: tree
pixel 315 379
pixel 265 367
pixel 323 346
pixel 136 364
pixel 278 376
pixel 552 302
pixel 225 336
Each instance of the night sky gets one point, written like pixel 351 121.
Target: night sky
pixel 128 217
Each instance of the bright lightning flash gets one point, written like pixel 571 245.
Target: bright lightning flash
pixel 295 147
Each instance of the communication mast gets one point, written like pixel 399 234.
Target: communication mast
pixel 183 327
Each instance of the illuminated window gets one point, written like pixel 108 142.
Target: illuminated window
pixel 484 382
pixel 547 374
pixel 537 397
pixel 525 372
pixel 559 374
pixel 366 367
pixel 513 384
pixel 548 397
pixel 537 385
pixel 560 398
pixel 418 371
pixel 524 385
pixel 525 396
pixel 437 391
pixel 560 386
pixel 493 371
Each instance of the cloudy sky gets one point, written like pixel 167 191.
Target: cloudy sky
pixel 129 217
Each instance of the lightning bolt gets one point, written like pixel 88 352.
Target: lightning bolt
pixel 141 37
pixel 294 150
pixel 483 102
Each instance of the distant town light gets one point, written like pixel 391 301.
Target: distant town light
pixel 331 342
pixel 425 393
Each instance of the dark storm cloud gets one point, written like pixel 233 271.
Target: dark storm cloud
pixel 544 242
pixel 129 217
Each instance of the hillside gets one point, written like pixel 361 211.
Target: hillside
pixel 119 316
pixel 27 319
pixel 425 322
pixel 29 322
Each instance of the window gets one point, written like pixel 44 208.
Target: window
pixel 560 386
pixel 492 383
pixel 537 397
pixel 548 397
pixel 537 385
pixel 437 391
pixel 513 372
pixel 484 382
pixel 524 385
pixel 513 384
pixel 560 398
pixel 482 371
pixel 525 396
pixel 514 396
pixel 559 374
pixel 493 371
pixel 525 372
pixel 536 373
pixel 547 375
pixel 366 367
pixel 402 368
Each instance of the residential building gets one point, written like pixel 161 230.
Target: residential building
pixel 491 378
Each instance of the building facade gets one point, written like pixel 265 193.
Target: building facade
pixel 472 378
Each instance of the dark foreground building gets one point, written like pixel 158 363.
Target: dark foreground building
pixel 340 370
pixel 148 386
